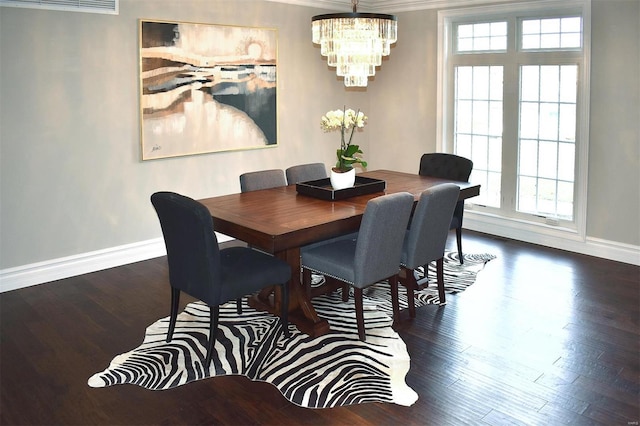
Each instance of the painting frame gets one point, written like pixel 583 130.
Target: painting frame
pixel 206 88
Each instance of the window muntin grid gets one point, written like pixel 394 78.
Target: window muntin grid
pixel 546 143
pixel 478 126
pixel 551 33
pixel 481 37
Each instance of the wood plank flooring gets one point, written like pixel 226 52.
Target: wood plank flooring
pixel 544 337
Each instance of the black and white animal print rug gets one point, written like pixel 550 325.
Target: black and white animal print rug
pixel 328 371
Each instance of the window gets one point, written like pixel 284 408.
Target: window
pixel 484 36
pixel 478 126
pixel 514 90
pixel 546 144
pixel 552 33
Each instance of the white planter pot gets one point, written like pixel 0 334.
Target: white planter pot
pixel 343 180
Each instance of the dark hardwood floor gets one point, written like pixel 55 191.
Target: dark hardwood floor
pixel 544 337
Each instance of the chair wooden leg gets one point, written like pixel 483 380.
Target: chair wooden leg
pixel 459 242
pixel 345 292
pixel 411 301
pixel 175 302
pixel 408 280
pixel 214 312
pixel 306 281
pixel 393 281
pixel 239 305
pixel 359 312
pixel 284 312
pixel 440 275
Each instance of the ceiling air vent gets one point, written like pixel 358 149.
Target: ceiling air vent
pixel 90 6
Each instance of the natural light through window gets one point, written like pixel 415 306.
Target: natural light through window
pixel 484 36
pixel 547 140
pixel 515 90
pixel 555 33
pixel 478 129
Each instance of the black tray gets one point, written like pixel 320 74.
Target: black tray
pixel 322 188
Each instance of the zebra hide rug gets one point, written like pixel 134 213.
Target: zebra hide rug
pixel 328 371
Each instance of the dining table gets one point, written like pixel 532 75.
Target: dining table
pixel 281 220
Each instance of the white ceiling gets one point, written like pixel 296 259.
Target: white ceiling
pixel 386 6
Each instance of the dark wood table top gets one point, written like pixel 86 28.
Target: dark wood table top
pixel 278 219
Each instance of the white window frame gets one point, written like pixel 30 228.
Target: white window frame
pixel 535 230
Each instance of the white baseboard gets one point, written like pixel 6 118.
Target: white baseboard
pixel 619 252
pixel 559 238
pixel 71 266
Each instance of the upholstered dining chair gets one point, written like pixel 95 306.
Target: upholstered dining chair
pixel 426 238
pixel 198 267
pixel 453 167
pixel 263 179
pixel 372 255
pixel 306 172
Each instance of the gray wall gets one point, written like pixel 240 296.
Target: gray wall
pixel 614 152
pixel 72 180
pixel 71 177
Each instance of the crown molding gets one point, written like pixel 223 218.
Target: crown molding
pixel 388 6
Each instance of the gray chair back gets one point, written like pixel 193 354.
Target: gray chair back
pixel 373 253
pixel 263 179
pixel 305 173
pixel 380 238
pixel 426 238
pixel 365 258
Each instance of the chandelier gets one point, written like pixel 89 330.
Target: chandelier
pixel 355 42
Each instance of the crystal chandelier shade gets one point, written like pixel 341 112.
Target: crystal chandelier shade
pixel 354 43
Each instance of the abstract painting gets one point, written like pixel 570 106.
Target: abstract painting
pixel 206 88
